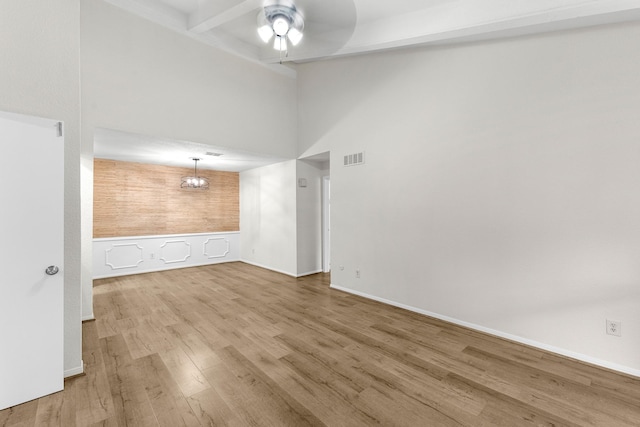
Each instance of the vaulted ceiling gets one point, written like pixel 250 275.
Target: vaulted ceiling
pixel 337 28
pixel 346 27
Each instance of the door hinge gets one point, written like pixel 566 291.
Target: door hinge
pixel 59 129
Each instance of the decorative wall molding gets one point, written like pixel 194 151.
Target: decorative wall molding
pixel 175 251
pixel 119 256
pixel 216 247
pixel 123 255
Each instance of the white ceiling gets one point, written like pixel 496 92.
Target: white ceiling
pixel 338 28
pixel 346 27
pixel 129 147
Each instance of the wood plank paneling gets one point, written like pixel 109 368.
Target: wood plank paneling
pixel 136 199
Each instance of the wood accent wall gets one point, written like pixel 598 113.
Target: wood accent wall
pixel 136 199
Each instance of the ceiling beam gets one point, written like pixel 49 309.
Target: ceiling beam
pixel 201 25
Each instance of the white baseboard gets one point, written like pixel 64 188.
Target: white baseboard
pixel 281 271
pixel 500 334
pixel 268 268
pixel 88 317
pixel 165 268
pixel 309 273
pixel 74 371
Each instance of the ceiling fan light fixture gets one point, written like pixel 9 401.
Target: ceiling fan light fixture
pixel 280 43
pixel 294 36
pixel 265 32
pixel 281 26
pixel 282 21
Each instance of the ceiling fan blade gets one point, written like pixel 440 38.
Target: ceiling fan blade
pixel 328 26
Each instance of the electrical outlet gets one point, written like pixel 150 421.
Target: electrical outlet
pixel 357 273
pixel 152 256
pixel 614 327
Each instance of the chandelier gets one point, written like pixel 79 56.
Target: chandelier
pixel 283 22
pixel 195 182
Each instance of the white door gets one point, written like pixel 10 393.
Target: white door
pixel 31 239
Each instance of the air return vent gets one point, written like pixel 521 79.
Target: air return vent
pixel 354 159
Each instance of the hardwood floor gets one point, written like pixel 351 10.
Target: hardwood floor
pixel 237 345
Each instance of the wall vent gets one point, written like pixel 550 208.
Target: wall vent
pixel 354 159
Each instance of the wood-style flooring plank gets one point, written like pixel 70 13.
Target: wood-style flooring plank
pixel 237 345
pixel 211 410
pixel 169 404
pixel 50 410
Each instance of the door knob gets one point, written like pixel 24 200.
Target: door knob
pixel 51 270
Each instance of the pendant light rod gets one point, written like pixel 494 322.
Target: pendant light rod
pixel 195 166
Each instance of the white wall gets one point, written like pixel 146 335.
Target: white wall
pixel 140 77
pixel 280 221
pixel 268 217
pixel 500 183
pixel 39 51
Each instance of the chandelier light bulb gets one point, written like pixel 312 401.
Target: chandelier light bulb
pixel 281 26
pixel 265 32
pixel 280 43
pixel 195 182
pixel 294 36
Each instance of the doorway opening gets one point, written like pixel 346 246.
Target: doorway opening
pixel 326 224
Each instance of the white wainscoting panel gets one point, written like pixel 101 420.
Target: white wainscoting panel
pixel 120 256
pixel 175 251
pixel 216 247
pixel 123 255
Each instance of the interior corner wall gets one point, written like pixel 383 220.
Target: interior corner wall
pixel 268 217
pixel 499 188
pixel 39 47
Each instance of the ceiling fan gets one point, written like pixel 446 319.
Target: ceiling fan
pixel 305 26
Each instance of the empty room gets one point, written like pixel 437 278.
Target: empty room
pixel 337 213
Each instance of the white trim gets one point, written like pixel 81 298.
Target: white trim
pixel 309 273
pixel 162 236
pixel 159 253
pixel 74 371
pixel 30 119
pixel 255 264
pixel 88 317
pixel 122 245
pixel 164 268
pixel 515 338
pixel 326 223
pixel 164 245
pixel 268 268
pixel 204 248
